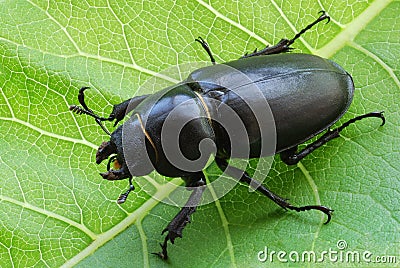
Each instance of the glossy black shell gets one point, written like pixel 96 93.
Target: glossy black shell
pixel 306 93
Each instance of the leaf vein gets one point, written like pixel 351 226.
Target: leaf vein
pixel 50 214
pixel 314 188
pixel 138 214
pixel 377 60
pixel 225 224
pixel 50 134
pixel 237 25
pixel 353 29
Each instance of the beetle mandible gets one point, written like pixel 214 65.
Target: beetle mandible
pixel 307 95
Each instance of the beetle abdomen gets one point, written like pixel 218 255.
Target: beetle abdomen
pixel 310 103
pixel 306 93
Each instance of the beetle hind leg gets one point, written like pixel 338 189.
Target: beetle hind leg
pixel 243 176
pixel 178 223
pixel 292 157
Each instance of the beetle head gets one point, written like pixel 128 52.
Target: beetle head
pixel 113 148
pixel 129 153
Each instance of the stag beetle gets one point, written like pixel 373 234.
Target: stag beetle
pixel 306 95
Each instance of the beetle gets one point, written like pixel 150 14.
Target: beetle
pixel 305 93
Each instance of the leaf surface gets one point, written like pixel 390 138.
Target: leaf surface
pixel 55 208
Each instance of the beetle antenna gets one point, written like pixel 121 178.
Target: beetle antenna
pixel 85 110
pixel 321 18
pixel 122 198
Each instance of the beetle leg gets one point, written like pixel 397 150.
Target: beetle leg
pixel 178 223
pixel 284 44
pixel 86 110
pixel 206 47
pixel 291 157
pixel 321 18
pixel 120 110
pixel 118 113
pixel 243 176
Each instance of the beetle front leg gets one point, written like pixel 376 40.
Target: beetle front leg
pixel 243 176
pixel 178 223
pixel 292 157
pixel 118 113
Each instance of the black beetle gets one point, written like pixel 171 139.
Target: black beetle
pixel 306 95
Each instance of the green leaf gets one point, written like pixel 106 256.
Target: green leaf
pixel 55 208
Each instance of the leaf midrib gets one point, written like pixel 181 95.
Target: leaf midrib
pixel 135 216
